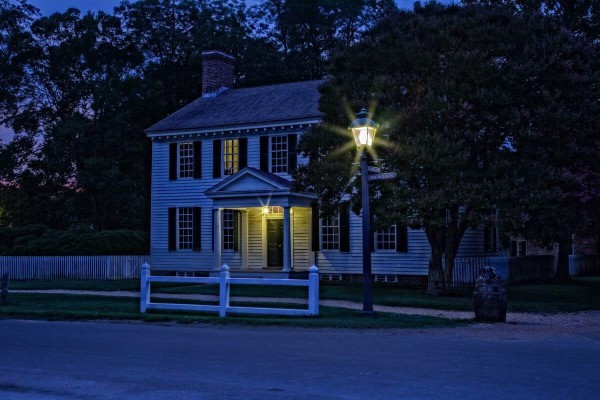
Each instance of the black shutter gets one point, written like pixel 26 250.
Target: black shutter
pixel 264 153
pixel 197 228
pixel 237 220
pixel 292 153
pixel 216 158
pixel 486 239
pixel 172 161
pixel 401 238
pixel 315 227
pixel 243 152
pixel 197 160
pixel 172 228
pixel 345 228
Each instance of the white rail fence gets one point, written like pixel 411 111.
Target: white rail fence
pixel 72 267
pixel 225 281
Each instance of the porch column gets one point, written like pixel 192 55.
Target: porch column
pixel 217 237
pixel 287 240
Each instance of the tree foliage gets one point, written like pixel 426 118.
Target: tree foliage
pixel 480 108
pixel 79 89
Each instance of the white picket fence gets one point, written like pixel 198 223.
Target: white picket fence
pixel 72 267
pixel 225 281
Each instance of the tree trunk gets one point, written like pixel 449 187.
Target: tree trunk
pixel 436 283
pixel 562 268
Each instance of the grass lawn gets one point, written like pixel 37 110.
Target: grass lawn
pixel 578 295
pixel 76 307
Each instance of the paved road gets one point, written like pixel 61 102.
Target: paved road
pixel 63 360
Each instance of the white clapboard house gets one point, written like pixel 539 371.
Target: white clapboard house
pixel 222 190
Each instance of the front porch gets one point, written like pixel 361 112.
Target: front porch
pixel 261 227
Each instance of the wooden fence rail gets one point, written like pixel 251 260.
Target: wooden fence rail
pixel 224 281
pixel 72 267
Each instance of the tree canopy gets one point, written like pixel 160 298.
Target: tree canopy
pixel 79 90
pixel 482 109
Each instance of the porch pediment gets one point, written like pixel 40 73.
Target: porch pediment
pixel 250 180
pixel 252 187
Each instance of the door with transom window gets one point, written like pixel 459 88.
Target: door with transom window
pixel 274 243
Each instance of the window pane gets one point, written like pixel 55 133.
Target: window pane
pixel 230 156
pixel 279 154
pixel 185 224
pixel 330 233
pixel 186 160
pixel 228 230
pixel 386 239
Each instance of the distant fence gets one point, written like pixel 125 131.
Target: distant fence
pixel 72 267
pixel 584 265
pixel 512 269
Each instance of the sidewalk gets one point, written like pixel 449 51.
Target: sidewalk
pixel 584 318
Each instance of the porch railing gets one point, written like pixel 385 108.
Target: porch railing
pixel 225 281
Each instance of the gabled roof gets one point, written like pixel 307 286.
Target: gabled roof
pixel 247 106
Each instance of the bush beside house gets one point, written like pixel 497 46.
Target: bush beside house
pixel 39 240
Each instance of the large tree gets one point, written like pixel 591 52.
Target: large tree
pixel 470 99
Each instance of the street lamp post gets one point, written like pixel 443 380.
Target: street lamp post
pixel 364 130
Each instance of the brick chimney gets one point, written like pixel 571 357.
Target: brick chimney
pixel 217 72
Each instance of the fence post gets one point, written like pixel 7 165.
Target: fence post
pixel 224 290
pixel 144 288
pixel 313 290
pixel 4 295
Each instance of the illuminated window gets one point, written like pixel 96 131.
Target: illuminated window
pixel 186 160
pixel 230 156
pixel 279 154
pixel 185 225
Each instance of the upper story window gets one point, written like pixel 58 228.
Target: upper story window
pixel 330 233
pixel 230 156
pixel 385 239
pixel 279 154
pixel 185 160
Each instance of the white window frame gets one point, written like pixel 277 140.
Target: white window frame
pixel 185 228
pixel 385 239
pixel 185 160
pixel 332 225
pixel 228 228
pixel 279 154
pixel 519 242
pixel 231 156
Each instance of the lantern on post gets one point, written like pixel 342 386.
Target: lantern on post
pixel 364 130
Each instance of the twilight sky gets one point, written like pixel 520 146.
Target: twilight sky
pixel 50 6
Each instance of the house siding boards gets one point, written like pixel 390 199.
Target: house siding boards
pixel 189 192
pixel 390 262
pixel 192 192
